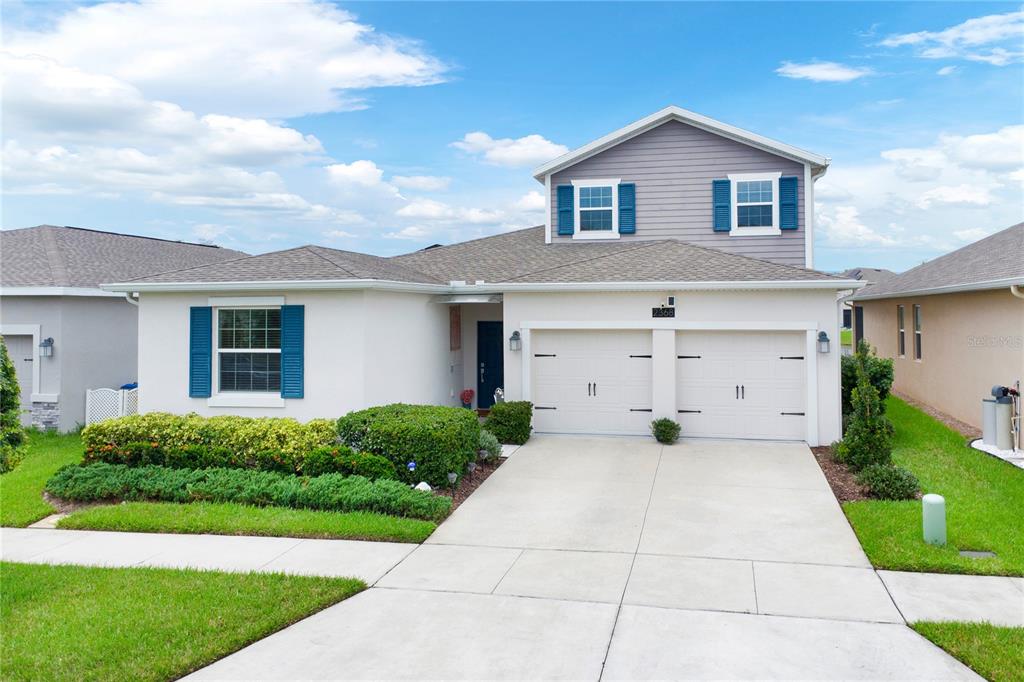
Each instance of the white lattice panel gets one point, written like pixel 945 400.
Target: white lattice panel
pixel 110 403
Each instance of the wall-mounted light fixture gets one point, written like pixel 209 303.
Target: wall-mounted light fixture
pixel 515 342
pixel 46 347
pixel 822 342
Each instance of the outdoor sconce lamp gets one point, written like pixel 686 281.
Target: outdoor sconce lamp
pixel 822 342
pixel 515 342
pixel 46 347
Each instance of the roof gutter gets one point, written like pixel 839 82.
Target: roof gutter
pixel 950 289
pixel 279 285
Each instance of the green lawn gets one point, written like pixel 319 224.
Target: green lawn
pixel 996 653
pixel 79 623
pixel 21 490
pixel 238 519
pixel 846 337
pixel 984 499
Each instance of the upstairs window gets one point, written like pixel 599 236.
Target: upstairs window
pixel 249 349
pixel 596 208
pixel 754 203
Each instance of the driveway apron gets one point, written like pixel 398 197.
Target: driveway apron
pixel 620 558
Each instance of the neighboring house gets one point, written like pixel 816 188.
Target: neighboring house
pixel 868 276
pixel 671 279
pixel 65 334
pixel 954 325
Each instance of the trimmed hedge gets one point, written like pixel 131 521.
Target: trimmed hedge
pixel 889 482
pixel 423 442
pixel 489 447
pixel 274 443
pixel 330 492
pixel 510 421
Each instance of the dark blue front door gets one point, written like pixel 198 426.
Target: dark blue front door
pixel 490 362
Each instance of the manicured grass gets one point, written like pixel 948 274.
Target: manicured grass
pixel 846 337
pixel 984 499
pixel 79 623
pixel 239 519
pixel 21 490
pixel 996 653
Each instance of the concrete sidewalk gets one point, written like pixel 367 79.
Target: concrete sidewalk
pixel 344 558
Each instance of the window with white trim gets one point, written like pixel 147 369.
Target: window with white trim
pixel 755 203
pixel 597 209
pixel 249 350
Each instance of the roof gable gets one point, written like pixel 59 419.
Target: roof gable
pixel 674 113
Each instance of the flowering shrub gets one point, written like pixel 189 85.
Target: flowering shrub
pixel 424 442
pixel 190 440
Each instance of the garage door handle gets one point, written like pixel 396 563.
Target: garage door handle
pixel 688 411
pixel 793 414
pixel 588 388
pixel 737 391
pixel 743 392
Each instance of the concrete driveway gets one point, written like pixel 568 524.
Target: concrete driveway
pixel 618 558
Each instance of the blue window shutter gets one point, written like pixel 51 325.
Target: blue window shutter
pixel 627 208
pixel 565 210
pixel 721 199
pixel 200 351
pixel 293 333
pixel 788 201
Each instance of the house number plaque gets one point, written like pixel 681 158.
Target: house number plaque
pixel 663 312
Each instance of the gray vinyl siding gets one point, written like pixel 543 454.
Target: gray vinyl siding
pixel 673 166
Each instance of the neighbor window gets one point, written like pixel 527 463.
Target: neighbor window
pixel 917 332
pixel 901 336
pixel 596 208
pixel 754 203
pixel 249 349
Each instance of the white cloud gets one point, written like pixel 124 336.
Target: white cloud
pixel 208 232
pixel 823 72
pixel 413 232
pixel 524 151
pixel 263 59
pixel 1001 150
pixel 946 71
pixel 440 212
pixel 960 194
pixel 338 234
pixel 531 201
pixel 842 226
pixel 362 173
pixel 971 235
pixel 980 39
pixel 427 183
pixel 426 208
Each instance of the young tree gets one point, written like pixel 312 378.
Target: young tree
pixel 868 438
pixel 12 436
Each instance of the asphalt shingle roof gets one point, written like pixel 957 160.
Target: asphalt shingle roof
pixel 519 256
pixel 50 256
pixel 997 257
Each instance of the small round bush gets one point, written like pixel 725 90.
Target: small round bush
pixel 490 448
pixel 665 430
pixel 889 482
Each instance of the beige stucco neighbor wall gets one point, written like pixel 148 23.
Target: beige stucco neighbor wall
pixel 970 342
pixel 818 309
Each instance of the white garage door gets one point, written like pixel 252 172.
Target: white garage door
pixel 591 381
pixel 742 384
pixel 21 350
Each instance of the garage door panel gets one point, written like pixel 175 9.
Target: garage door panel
pixel 757 364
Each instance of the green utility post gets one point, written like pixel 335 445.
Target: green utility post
pixel 933 517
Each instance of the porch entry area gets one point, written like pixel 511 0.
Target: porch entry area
pixel 717 383
pixel 490 362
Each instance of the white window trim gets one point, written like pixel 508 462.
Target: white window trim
pixel 737 231
pixel 220 398
pixel 578 232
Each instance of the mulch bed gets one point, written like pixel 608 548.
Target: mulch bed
pixel 965 430
pixel 469 483
pixel 842 481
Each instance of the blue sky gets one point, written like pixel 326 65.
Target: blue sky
pixel 262 126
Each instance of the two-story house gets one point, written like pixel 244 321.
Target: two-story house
pixel 672 278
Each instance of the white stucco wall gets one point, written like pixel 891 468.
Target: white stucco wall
pixel 817 309
pixel 362 348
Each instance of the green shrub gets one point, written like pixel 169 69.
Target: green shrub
pixel 254 442
pixel 889 482
pixel 868 437
pixel 879 371
pixel 331 492
pixel 489 447
pixel 665 430
pixel 423 442
pixel 341 459
pixel 12 435
pixel 510 422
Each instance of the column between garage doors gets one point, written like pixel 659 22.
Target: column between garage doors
pixel 773 367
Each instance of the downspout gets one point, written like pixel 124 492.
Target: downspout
pixel 128 297
pixel 1015 290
